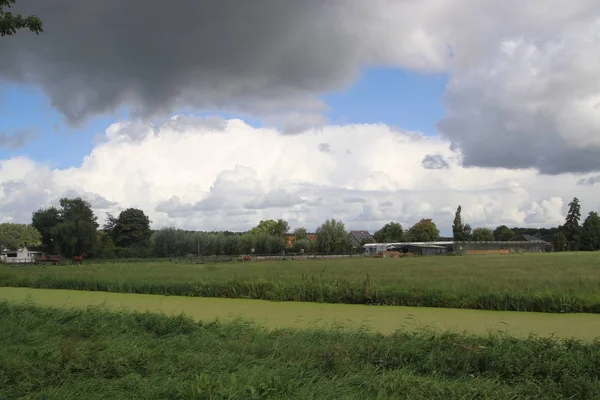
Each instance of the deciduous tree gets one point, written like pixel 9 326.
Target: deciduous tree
pixel 391 232
pixel 45 220
pixel 10 22
pixel 590 233
pixel 424 231
pixel 300 233
pixel 271 227
pixel 76 231
pixel 483 235
pixel 16 236
pixel 332 237
pixel 560 241
pixel 131 229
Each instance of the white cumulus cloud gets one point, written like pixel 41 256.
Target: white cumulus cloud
pixel 230 175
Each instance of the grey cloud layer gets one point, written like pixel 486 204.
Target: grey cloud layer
pixel 261 57
pixel 522 93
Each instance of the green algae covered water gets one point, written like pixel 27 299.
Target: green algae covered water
pixel 383 319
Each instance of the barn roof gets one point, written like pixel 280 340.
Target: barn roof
pixel 360 235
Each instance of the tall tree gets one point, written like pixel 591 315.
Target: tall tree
pixel 590 232
pixel 76 231
pixel 460 231
pixel 332 237
pixel 10 23
pixel 391 232
pixel 131 229
pixel 503 233
pixel 271 227
pixel 424 231
pixel 16 236
pixel 45 220
pixel 498 232
pixel 571 227
pixel 483 235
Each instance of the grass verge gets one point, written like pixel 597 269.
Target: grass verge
pixel 95 354
pixel 530 282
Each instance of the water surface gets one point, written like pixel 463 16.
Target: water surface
pixel 384 319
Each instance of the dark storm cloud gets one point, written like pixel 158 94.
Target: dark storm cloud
pixel 485 139
pixel 20 138
pixel 262 57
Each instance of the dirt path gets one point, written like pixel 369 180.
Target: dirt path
pixel 304 315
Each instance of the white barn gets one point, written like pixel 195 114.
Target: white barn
pixel 23 255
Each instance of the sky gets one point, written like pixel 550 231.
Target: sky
pixel 367 112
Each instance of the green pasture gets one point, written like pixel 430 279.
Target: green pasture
pixel 280 315
pixel 93 354
pixel 549 282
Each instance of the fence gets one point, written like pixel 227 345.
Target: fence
pixel 194 259
pixel 508 247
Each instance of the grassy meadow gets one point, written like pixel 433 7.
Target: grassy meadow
pixel 550 282
pixel 93 354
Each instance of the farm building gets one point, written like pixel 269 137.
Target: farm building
pixel 357 238
pixel 524 243
pixel 412 247
pixel 424 249
pixel 24 255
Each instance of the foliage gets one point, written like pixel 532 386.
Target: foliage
pixel 391 232
pixel 76 231
pixel 96 354
pixel 173 242
pixel 590 234
pixel 305 245
pixel 10 23
pixel 130 230
pixel 560 241
pixel 504 233
pixel 271 227
pixel 507 235
pixel 16 236
pixel 482 235
pixel 571 227
pixel 424 231
pixel 45 220
pixel 106 246
pixel 460 231
pixel 300 233
pixel 332 237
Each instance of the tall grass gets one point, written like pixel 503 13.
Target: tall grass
pixel 95 354
pixel 542 283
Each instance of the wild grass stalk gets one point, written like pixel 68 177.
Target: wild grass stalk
pixel 541 283
pixel 94 354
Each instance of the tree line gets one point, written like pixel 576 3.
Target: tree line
pixel 570 236
pixel 72 229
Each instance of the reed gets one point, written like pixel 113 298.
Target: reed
pixel 540 283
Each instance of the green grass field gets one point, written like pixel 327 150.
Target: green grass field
pixel 284 315
pixel 551 282
pixel 54 354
